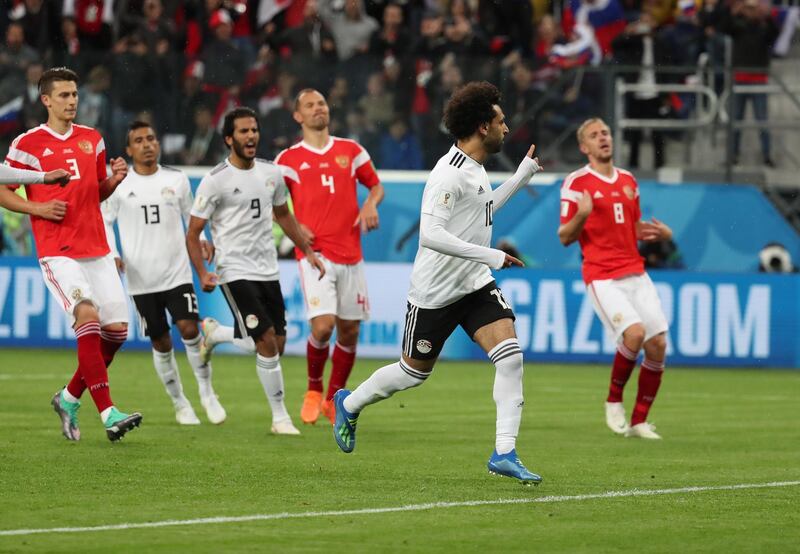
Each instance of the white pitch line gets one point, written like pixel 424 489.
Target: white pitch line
pixel 393 509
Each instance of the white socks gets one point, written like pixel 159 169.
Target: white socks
pixel 382 384
pixel 167 369
pixel 271 376
pixel 202 372
pixel 225 334
pixel 507 360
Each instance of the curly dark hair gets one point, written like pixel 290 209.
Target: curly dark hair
pixel 241 112
pixel 470 107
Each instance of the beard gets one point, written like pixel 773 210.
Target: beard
pixel 494 146
pixel 238 148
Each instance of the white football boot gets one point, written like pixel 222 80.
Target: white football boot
pixel 615 417
pixel 642 430
pixel 214 411
pixel 284 427
pixel 184 414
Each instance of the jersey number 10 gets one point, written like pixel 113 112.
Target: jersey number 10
pixel 489 212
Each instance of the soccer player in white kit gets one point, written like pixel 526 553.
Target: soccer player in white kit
pixel 151 207
pixel 239 198
pixel 451 282
pixel 600 209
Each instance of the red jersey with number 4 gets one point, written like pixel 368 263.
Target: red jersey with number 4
pixel 323 187
pixel 82 152
pixel 608 240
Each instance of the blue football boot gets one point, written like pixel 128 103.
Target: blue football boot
pixel 344 425
pixel 510 466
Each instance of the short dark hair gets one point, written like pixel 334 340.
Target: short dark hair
pixel 470 107
pixel 301 93
pixel 138 124
pixel 237 113
pixel 55 74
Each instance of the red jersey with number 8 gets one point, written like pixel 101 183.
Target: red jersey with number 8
pixel 82 152
pixel 322 183
pixel 608 240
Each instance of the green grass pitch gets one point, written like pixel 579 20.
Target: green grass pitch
pixel 428 445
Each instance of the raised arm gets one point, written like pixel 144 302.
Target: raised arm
pixel 527 169
pixel 119 170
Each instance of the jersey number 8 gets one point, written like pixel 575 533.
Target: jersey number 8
pixel 619 214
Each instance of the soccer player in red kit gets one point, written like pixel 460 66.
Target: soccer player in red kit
pixel 71 244
pixel 322 174
pixel 600 209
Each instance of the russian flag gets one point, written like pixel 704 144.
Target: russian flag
pixel 10 115
pixel 604 16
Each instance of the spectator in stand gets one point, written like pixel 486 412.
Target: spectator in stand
pixel 519 96
pixel 40 21
pixel 93 20
pixel 132 72
pixel 94 109
pixel 205 146
pixel 154 26
pixel 430 44
pixel 33 111
pixel 278 128
pixel 750 25
pixel 392 39
pixel 508 24
pixel 192 96
pixel 359 130
pixel 339 100
pixel 223 60
pixel 463 38
pixel 640 45
pixel 310 49
pixel 67 50
pixel 15 57
pixel 377 103
pixel 351 29
pixel 399 147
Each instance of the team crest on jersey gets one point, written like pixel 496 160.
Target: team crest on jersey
pixel 313 301
pixel 251 321
pixel 76 294
pixel 270 183
pixel 85 146
pixel 617 319
pixel 168 193
pixel 200 202
pixel 628 192
pixel 424 346
pixel 343 161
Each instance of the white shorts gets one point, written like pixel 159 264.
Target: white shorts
pixel 619 303
pixel 341 292
pixel 93 280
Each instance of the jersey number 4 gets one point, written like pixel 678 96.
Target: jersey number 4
pixel 327 181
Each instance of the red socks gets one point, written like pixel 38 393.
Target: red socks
pixel 110 342
pixel 91 366
pixel 317 355
pixel 649 381
pixel 343 359
pixel 624 362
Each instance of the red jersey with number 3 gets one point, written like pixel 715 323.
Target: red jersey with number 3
pixel 82 152
pixel 608 240
pixel 323 187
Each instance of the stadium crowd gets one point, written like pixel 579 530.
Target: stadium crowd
pixel 386 66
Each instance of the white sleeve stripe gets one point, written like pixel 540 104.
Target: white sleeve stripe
pixel 290 173
pixel 570 195
pixel 24 158
pixel 361 159
pixel 101 147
